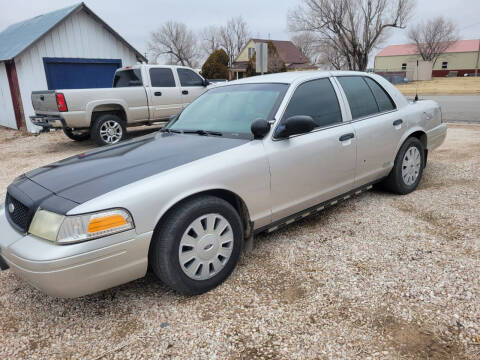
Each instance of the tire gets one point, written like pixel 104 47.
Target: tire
pixel 170 251
pixel 408 168
pixel 108 129
pixel 76 135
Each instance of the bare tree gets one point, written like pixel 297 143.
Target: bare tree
pixel 176 42
pixel 331 57
pixel 354 27
pixel 308 44
pixel 210 37
pixel 233 37
pixel 433 37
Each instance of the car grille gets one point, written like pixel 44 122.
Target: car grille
pixel 20 216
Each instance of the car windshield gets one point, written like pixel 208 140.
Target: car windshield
pixel 230 110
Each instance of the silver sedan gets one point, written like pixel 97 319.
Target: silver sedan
pixel 245 157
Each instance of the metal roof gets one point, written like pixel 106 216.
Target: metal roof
pixel 18 37
pixel 411 49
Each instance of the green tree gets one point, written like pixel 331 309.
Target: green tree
pixel 275 63
pixel 216 65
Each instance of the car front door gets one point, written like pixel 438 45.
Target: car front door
pixel 311 168
pixel 164 94
pixel 378 127
pixel 192 85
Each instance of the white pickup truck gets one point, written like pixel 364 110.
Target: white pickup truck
pixel 141 94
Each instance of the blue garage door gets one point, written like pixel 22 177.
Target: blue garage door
pixel 71 73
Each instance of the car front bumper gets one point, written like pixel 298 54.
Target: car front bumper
pixel 74 270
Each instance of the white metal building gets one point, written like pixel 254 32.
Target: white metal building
pixel 68 48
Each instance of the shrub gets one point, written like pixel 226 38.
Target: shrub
pixel 216 65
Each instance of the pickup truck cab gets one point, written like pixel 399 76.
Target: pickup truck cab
pixel 140 95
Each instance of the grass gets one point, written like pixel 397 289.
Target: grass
pixel 443 86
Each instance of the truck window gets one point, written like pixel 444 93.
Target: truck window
pixel 127 78
pixel 189 77
pixel 162 77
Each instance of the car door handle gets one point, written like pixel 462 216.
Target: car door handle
pixel 345 137
pixel 185 92
pixel 398 122
pixel 157 93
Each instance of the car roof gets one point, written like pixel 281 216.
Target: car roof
pixel 293 76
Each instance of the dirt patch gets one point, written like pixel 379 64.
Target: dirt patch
pixel 414 341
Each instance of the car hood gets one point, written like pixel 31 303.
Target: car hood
pixel 85 176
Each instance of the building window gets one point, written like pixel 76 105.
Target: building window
pixel 251 52
pixel 404 66
pixel 445 65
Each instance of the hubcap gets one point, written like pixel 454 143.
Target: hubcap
pixel 205 246
pixel 411 164
pixel 111 132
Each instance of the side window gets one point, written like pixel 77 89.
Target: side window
pixel 127 78
pixel 404 66
pixel 318 99
pixel 189 77
pixel 385 103
pixel 445 65
pixel 359 96
pixel 162 77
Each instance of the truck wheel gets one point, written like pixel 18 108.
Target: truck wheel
pixel 77 135
pixel 108 129
pixel 197 245
pixel 408 168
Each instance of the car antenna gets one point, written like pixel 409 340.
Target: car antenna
pixel 416 86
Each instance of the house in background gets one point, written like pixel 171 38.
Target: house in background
pixel 460 58
pixel 65 49
pixel 287 51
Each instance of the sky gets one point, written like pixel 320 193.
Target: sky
pixel 134 20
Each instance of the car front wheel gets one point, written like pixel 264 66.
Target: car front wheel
pixel 408 168
pixel 197 246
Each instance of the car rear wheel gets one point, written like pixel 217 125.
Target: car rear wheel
pixel 77 135
pixel 108 129
pixel 408 168
pixel 197 246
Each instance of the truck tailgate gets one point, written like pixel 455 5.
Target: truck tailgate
pixel 44 102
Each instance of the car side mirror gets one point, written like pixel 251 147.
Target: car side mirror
pixel 206 82
pixel 260 128
pixel 295 125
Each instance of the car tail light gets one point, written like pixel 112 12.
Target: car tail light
pixel 61 103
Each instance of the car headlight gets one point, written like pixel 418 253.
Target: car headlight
pixel 65 229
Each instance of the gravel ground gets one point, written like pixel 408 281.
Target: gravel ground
pixel 379 276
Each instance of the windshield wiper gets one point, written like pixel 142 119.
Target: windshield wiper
pixel 203 132
pixel 170 131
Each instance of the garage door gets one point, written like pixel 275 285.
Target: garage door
pixel 68 73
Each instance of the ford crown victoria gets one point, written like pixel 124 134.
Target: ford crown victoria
pixel 243 158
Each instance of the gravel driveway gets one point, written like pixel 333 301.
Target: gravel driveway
pixel 379 276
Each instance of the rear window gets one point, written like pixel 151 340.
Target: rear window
pixel 127 78
pixel 359 96
pixel 162 77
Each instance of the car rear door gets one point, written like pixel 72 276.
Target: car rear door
pixel 191 85
pixel 311 168
pixel 378 126
pixel 164 93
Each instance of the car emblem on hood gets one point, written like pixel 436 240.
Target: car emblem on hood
pixel 11 208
